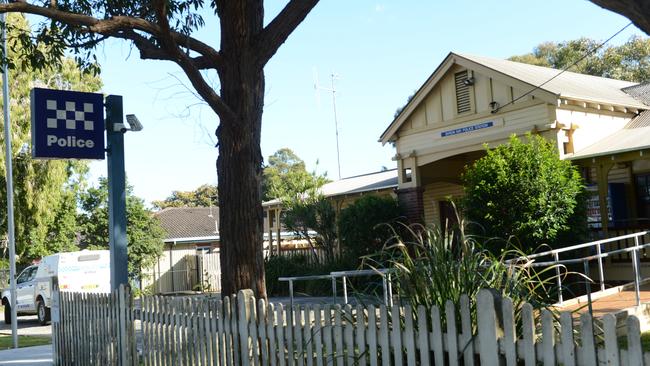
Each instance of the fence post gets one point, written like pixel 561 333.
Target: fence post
pixel 488 328
pixel 123 328
pixel 55 315
pixel 244 298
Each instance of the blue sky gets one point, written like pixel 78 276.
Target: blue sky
pixel 382 52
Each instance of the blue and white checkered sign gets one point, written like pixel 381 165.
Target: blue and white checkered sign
pixel 67 124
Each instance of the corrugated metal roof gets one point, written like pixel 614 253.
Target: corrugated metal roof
pixel 361 183
pixel 634 136
pixel 568 84
pixel 357 184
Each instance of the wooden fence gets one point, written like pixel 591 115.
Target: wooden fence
pixel 109 329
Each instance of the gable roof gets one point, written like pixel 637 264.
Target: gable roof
pixel 370 182
pixel 543 82
pixel 189 222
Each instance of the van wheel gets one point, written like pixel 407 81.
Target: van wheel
pixel 7 313
pixel 42 312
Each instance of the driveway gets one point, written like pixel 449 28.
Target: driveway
pixel 27 325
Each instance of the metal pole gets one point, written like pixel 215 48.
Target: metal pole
pixel 588 287
pixel 390 291
pixel 116 192
pixel 10 186
pixel 600 268
pixel 637 277
pixel 291 293
pixel 558 274
pixel 336 126
pixel 334 289
pixel 385 288
pixel 345 290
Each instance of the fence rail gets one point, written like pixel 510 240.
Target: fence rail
pixel 109 329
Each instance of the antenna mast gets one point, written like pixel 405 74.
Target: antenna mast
pixel 336 122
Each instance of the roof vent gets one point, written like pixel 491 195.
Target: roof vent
pixel 463 82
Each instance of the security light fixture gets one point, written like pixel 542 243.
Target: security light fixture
pixel 494 106
pixel 469 81
pixel 134 123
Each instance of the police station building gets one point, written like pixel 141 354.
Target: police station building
pixel 600 124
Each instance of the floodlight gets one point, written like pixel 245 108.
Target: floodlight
pixel 134 123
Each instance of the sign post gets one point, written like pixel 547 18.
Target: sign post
pixel 70 125
pixel 116 191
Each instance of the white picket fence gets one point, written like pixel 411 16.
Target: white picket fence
pixel 109 329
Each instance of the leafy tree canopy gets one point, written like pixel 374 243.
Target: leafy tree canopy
pixel 144 233
pixel 629 61
pixel 45 190
pixel 523 190
pixel 204 196
pixel 286 175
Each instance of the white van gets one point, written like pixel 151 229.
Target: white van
pixel 83 271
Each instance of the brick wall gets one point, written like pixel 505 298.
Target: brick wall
pixel 411 204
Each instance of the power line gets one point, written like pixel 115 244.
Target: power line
pixel 587 54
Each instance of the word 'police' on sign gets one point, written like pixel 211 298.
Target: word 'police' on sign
pixel 471 128
pixel 67 124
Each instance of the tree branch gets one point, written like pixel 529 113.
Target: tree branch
pixel 277 32
pixel 638 11
pixel 112 26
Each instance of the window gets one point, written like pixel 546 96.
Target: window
pixel 643 195
pixel 463 101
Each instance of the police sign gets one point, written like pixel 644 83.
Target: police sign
pixel 67 124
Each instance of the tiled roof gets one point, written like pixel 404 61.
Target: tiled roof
pixel 189 222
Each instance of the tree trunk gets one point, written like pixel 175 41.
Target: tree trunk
pixel 239 165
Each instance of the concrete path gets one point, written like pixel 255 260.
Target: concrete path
pixel 613 303
pixel 27 356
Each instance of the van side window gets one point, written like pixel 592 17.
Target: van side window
pixel 32 274
pixel 24 275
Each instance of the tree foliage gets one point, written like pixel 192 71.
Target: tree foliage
pixel 166 30
pixel 285 175
pixel 205 195
pixel 144 233
pixel 311 212
pixel 364 225
pixel 45 190
pixel 629 61
pixel 523 190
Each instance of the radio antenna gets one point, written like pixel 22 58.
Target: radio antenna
pixel 318 88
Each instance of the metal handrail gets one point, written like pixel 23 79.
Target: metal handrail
pixel 585 260
pixel 383 272
pixel 581 246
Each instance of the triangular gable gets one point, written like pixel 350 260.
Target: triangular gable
pixel 441 71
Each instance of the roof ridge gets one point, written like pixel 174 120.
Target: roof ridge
pixel 471 56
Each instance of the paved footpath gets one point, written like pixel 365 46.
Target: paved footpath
pixel 27 356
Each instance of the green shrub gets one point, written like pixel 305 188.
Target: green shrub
pixel 432 266
pixel 523 190
pixel 362 226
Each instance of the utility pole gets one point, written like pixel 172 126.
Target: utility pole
pixel 10 186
